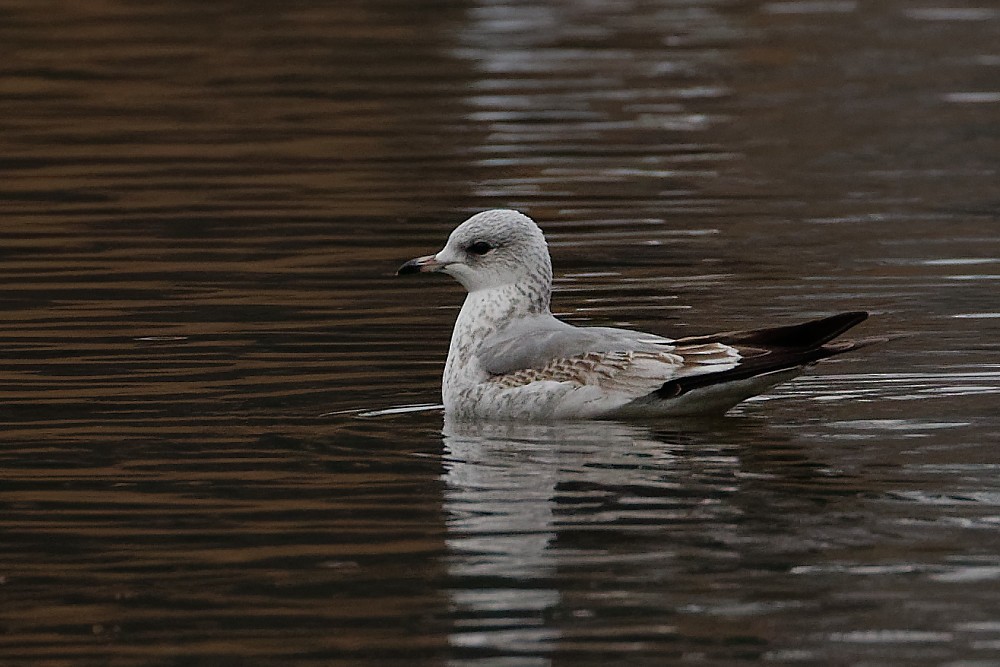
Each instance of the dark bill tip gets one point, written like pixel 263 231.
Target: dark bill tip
pixel 413 266
pixel 428 264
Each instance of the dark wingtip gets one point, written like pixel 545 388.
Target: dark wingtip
pixel 838 324
pixel 855 316
pixel 806 335
pixel 785 349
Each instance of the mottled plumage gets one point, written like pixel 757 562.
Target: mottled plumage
pixel 511 359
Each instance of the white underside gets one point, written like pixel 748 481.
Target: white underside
pixel 555 401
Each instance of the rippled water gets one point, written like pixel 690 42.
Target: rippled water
pixel 202 208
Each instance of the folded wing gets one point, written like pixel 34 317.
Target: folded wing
pixel 628 364
pixel 634 365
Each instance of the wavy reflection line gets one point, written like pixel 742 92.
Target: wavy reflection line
pixel 502 482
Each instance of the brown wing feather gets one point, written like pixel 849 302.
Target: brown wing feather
pixel 637 372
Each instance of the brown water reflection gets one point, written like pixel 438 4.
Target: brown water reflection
pixel 203 205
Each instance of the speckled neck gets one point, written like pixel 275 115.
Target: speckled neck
pixel 483 313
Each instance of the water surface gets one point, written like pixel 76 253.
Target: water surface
pixel 203 206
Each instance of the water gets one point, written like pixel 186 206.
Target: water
pixel 203 206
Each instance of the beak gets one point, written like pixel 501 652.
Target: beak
pixel 428 264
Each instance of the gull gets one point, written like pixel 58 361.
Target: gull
pixel 511 359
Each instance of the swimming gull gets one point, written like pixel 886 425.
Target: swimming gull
pixel 511 359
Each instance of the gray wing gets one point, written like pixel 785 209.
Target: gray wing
pixel 533 342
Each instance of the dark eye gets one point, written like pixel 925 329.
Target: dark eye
pixel 480 248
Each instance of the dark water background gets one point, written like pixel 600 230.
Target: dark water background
pixel 201 207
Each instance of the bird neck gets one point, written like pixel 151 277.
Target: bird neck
pixel 484 312
pixel 487 310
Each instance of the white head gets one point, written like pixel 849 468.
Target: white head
pixel 492 249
